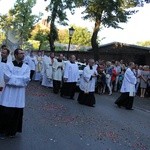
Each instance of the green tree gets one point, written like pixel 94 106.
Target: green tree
pixel 108 13
pixel 6 24
pixel 40 35
pixel 81 36
pixel 57 8
pixel 23 19
pixel 2 37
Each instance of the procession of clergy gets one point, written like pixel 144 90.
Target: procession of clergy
pixel 17 71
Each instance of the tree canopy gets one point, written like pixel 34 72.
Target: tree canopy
pixel 144 43
pixel 81 36
pixel 108 13
pixel 57 9
pixel 40 34
pixel 20 19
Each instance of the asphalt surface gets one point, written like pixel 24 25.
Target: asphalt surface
pixel 55 123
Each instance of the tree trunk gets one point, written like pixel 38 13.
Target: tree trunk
pixel 94 42
pixel 53 31
pixel 51 38
pixel 40 45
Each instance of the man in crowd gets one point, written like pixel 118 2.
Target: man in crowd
pixel 47 71
pixel 33 65
pixel 39 65
pixel 117 68
pixel 108 76
pixel 4 55
pixel 127 88
pixel 16 76
pixel 87 85
pixel 58 67
pixel 29 61
pixel 3 60
pixel 70 78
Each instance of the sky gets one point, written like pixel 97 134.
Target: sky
pixel 135 30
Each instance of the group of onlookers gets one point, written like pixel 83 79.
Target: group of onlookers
pixel 111 75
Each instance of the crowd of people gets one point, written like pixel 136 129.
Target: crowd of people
pixel 111 75
pixel 62 75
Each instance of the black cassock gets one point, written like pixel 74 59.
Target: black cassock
pixel 68 89
pixel 86 98
pixel 10 120
pixel 125 100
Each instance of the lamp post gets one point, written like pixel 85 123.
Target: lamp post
pixel 71 32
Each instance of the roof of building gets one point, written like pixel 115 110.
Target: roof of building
pixel 125 44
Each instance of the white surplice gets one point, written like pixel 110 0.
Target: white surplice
pixel 47 72
pixel 129 82
pixel 87 82
pixel 30 62
pixel 9 58
pixel 2 83
pixel 71 72
pixel 2 67
pixel 58 68
pixel 16 79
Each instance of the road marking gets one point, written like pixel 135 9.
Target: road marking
pixel 145 110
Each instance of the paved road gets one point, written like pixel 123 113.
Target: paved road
pixel 54 123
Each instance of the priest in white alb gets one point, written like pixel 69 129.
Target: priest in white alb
pixel 47 71
pixel 87 85
pixel 16 76
pixel 127 89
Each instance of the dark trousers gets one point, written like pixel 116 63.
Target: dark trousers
pixel 125 100
pixel 31 74
pixel 68 89
pixel 56 86
pixel 10 120
pixel 86 98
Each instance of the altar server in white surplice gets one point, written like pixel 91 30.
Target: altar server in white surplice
pixel 47 71
pixel 70 78
pixel 33 65
pixel 127 88
pixel 58 67
pixel 16 76
pixel 87 85
pixel 3 60
pixel 29 61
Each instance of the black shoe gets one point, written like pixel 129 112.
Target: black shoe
pixel 118 105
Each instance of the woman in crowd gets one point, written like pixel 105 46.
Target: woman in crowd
pixel 145 75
